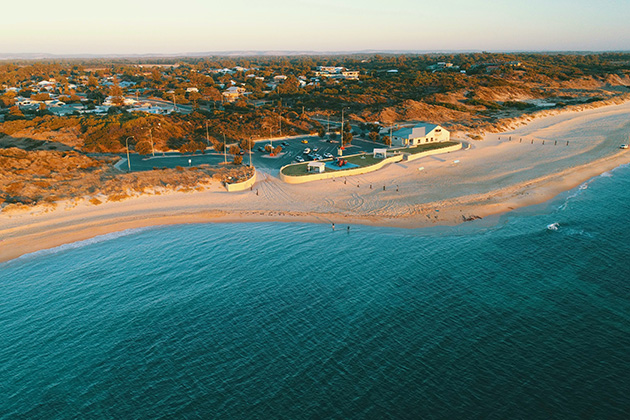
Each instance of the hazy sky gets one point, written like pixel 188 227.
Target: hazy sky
pixel 179 26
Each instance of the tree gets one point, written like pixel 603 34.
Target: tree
pixel 373 136
pixel 234 149
pixel 16 111
pixel 92 82
pixel 116 92
pixel 277 150
pixel 238 159
pixel 321 133
pixel 44 96
pixel 247 144
pixel 387 140
pixel 291 85
pixel 6 101
pixel 347 138
pixel 143 147
pixel 192 147
pixel 218 146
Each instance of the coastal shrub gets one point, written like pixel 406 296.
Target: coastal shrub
pixel 517 105
pixel 484 103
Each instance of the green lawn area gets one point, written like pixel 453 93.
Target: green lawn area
pixel 296 169
pixel 366 159
pixel 426 147
pixel 363 160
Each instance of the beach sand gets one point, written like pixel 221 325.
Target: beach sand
pixel 493 176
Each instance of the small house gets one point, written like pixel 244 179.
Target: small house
pixel 419 134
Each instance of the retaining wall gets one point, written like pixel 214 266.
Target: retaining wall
pixel 241 186
pixel 409 157
pixel 292 179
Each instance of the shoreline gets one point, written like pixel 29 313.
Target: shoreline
pixel 519 177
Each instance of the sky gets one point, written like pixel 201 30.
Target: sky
pixel 187 26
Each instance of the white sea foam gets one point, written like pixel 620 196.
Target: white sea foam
pixel 553 226
pixel 81 244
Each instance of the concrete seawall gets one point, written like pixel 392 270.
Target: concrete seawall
pixel 410 157
pixel 241 186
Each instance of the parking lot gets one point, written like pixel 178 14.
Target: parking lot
pixel 291 148
pixel 294 148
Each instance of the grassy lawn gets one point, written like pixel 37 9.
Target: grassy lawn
pixel 296 169
pixel 363 160
pixel 426 147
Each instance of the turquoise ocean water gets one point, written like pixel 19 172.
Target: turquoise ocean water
pixel 525 317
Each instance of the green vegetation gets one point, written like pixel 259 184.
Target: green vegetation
pixel 365 159
pixel 284 95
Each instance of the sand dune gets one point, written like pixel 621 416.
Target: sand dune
pixel 493 176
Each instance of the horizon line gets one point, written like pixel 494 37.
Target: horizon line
pixel 274 52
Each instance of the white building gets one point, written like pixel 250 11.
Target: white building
pixel 317 167
pixel 419 134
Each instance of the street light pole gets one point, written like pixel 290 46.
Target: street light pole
pixel 342 110
pixel 151 135
pixel 207 135
pixel 250 151
pixel 224 149
pixel 128 161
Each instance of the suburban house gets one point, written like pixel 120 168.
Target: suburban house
pixel 350 74
pixel 419 134
pixel 232 93
pixel 337 73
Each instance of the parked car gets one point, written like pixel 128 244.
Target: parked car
pixel 261 149
pixel 284 143
pixel 299 159
pixel 307 151
pixel 317 157
pixel 623 146
pixel 328 155
pixel 315 149
pixel 304 141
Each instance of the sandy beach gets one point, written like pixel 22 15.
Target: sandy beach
pixel 500 173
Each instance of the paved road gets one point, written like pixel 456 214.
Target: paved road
pixel 261 160
pixel 170 160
